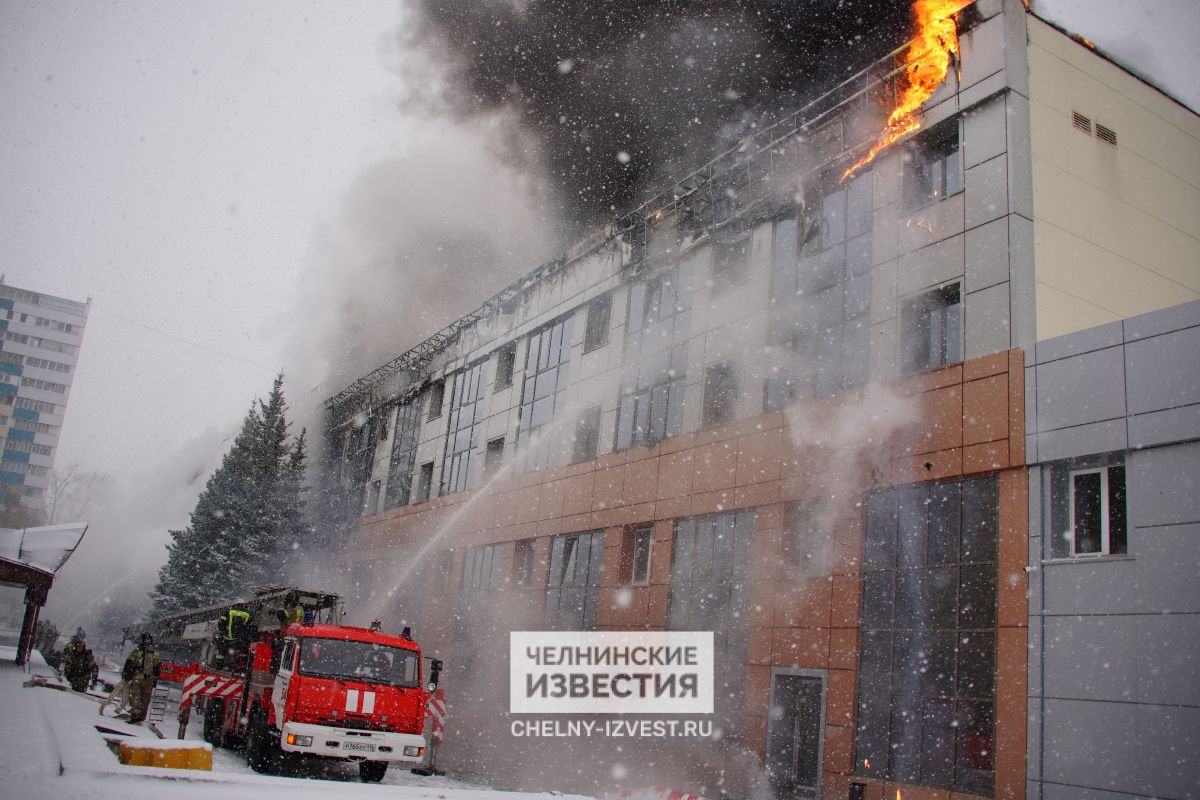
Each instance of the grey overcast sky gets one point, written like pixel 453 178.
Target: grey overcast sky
pixel 176 161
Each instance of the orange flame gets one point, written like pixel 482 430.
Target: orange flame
pixel 934 41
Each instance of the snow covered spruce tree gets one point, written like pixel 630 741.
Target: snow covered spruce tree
pixel 246 520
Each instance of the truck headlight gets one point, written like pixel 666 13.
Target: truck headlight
pixel 299 741
pixel 413 751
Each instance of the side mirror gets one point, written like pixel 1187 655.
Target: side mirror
pixel 435 672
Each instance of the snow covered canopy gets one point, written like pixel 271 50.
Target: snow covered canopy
pixel 46 548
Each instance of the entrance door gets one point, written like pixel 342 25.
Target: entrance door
pixel 794 735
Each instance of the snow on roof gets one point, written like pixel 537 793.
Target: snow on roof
pixel 46 548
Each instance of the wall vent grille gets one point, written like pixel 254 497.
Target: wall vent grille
pixel 1081 122
pixel 1106 134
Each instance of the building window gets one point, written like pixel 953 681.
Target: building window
pixel 462 437
pixel 931 328
pixel 635 555
pixel 573 590
pixel 927 654
pixel 599 319
pixel 493 459
pixel 443 570
pixel 547 371
pixel 522 574
pixel 731 265
pixel 720 395
pixel 587 434
pixel 481 569
pixel 404 454
pixel 710 591
pixel 934 166
pixel 652 384
pixel 424 482
pixel 437 394
pixel 371 503
pixel 506 360
pixel 1088 507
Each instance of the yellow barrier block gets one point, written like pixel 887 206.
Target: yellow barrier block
pixel 166 753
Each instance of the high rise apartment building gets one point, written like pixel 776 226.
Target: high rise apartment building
pixel 42 335
pixel 919 445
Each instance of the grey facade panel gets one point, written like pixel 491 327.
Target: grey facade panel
pixel 1090 744
pixel 1081 440
pixel 1097 338
pixel 1164 427
pixel 1075 391
pixel 1168 563
pixel 1163 371
pixel 1167 652
pixel 1168 741
pixel 1094 658
pixel 1184 315
pixel 1164 485
pixel 1094 586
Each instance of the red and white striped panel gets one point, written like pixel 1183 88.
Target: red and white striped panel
pixel 210 686
pixel 437 711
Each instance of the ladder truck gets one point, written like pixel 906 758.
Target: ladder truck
pixel 315 689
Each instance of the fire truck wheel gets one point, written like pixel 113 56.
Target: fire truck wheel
pixel 214 718
pixel 261 754
pixel 371 771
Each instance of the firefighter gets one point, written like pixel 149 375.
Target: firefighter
pixel 78 662
pixel 140 674
pixel 234 633
pixel 291 612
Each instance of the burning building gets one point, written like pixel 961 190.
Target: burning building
pixel 907 419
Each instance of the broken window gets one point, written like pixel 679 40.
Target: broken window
pixel 437 393
pixel 573 590
pixel 1088 507
pixel 720 395
pixel 543 394
pixel 462 437
pixel 424 482
pixel 927 655
pixel 404 454
pixel 371 502
pixel 933 168
pixel 599 318
pixel 481 569
pixel 731 265
pixel 931 328
pixel 522 569
pixel 587 434
pixel 656 342
pixel 494 457
pixel 635 555
pixel 506 359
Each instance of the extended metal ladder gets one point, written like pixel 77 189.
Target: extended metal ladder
pixel 164 702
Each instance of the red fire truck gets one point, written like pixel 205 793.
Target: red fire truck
pixel 314 689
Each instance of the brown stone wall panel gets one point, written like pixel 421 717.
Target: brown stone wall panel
pixel 1012 585
pixel 801 647
pixel 625 606
pixel 839 704
pixel 846 599
pixel 843 648
pixel 714 466
pixel 927 467
pixel 941 421
pixel 675 475
pixel 606 487
pixel 550 499
pixel 847 546
pixel 769 517
pixel 985 410
pixel 525 504
pixel 678 443
pixel 834 784
pixel 758 457
pixel 577 523
pixel 640 482
pixel 1011 691
pixel 577 494
pixel 609 460
pixel 755 495
pixel 1016 407
pixel 711 502
pixel 804 604
pixel 610 570
pixel 757 692
pixel 656 607
pixel 989 457
pixel 760 646
pixel 933 379
pixel 839 749
pixel 672 508
pixel 754 734
pixel 986 366
pixel 765 567
pixel 763 595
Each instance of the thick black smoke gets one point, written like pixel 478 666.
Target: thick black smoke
pixel 623 93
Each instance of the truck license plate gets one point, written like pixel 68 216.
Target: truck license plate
pixel 359 746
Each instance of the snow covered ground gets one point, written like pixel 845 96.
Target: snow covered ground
pixel 51 746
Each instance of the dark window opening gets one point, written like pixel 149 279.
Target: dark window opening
pixel 494 457
pixel 547 371
pixel 462 437
pixel 506 360
pixel 437 393
pixel 635 555
pixel 720 395
pixel 404 454
pixel 481 569
pixel 794 735
pixel 599 319
pixel 931 328
pixel 730 266
pixel 522 572
pixel 424 482
pixel 587 434
pixel 934 166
